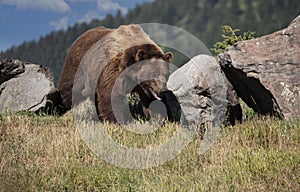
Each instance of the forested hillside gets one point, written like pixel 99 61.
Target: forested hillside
pixel 203 18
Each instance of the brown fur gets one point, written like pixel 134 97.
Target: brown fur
pixel 112 70
pixel 75 55
pixel 123 60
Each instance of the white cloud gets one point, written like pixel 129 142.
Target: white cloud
pixel 89 16
pixel 109 5
pixel 104 7
pixel 61 24
pixel 74 1
pixel 47 5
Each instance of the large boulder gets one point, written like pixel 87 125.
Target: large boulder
pixel 26 87
pixel 265 72
pixel 202 91
pixel 10 69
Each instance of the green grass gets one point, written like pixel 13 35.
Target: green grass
pixel 47 154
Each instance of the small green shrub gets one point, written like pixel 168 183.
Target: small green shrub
pixel 132 98
pixel 230 37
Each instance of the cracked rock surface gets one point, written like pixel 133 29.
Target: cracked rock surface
pixel 203 92
pixel 25 86
pixel 265 72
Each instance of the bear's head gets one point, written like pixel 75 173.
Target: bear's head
pixel 153 67
pixel 144 61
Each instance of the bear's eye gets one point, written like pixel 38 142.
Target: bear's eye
pixel 141 55
pixel 145 56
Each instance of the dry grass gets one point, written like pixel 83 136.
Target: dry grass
pixel 47 154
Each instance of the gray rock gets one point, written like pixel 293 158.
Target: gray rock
pixel 265 72
pixel 26 86
pixel 202 91
pixel 9 69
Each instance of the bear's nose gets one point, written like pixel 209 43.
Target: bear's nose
pixel 163 90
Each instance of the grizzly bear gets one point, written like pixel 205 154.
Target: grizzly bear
pixel 112 51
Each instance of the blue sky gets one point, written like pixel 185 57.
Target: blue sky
pixel 25 20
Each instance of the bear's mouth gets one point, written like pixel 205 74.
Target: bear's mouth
pixel 155 95
pixel 149 91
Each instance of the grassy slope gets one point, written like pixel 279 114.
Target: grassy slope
pixel 47 154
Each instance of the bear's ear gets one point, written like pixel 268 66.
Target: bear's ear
pixel 168 57
pixel 140 55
